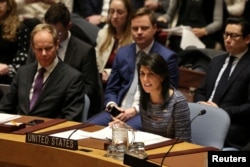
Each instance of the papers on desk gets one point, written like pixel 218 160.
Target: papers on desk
pixel 147 138
pixel 8 117
pixel 106 133
pixel 77 135
pixel 188 37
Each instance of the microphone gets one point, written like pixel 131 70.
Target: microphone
pixel 202 112
pixel 84 124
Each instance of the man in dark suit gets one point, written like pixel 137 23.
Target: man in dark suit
pixel 234 94
pixel 76 53
pixel 143 27
pixel 62 88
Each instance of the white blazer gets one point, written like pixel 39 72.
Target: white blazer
pixel 102 59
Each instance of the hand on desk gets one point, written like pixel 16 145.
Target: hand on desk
pixel 125 114
pixel 209 103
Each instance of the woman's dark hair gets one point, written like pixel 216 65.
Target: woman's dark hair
pixel 159 66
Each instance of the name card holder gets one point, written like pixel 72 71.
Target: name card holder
pixel 51 141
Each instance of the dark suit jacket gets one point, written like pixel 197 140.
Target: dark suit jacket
pixel 61 97
pixel 87 7
pixel 122 73
pixel 82 57
pixel 235 98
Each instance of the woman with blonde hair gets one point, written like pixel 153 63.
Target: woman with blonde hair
pixel 114 35
pixel 14 41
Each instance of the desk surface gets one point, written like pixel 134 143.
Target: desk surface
pixel 15 152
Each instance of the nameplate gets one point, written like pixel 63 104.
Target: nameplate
pixel 51 141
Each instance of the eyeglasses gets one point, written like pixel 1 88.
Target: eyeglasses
pixel 231 35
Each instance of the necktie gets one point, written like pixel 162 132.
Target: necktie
pixel 223 80
pixel 131 92
pixel 37 87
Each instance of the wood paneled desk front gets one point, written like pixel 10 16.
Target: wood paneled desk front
pixel 16 153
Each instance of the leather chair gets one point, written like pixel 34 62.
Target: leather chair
pixel 211 128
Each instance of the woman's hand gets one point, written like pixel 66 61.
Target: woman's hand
pixel 126 114
pixel 4 69
pixel 94 19
pixel 199 32
pixel 151 4
pixel 209 103
pixel 104 76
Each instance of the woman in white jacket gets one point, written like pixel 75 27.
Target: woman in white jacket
pixel 114 35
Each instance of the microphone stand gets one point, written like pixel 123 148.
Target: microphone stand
pixel 202 112
pixel 137 162
pixel 85 123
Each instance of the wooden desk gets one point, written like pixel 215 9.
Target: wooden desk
pixel 16 153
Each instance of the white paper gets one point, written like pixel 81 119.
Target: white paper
pixel 106 133
pixel 188 37
pixel 147 138
pixel 8 117
pixel 77 135
pixel 174 31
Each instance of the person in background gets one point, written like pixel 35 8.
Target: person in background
pixel 96 11
pixel 122 84
pixel 158 6
pixel 48 87
pixel 116 34
pixel 163 109
pixel 92 15
pixel 232 94
pixel 14 41
pixel 205 17
pixel 31 12
pixel 28 9
pixel 231 8
pixel 75 53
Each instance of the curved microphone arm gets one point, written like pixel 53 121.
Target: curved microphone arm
pixel 202 112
